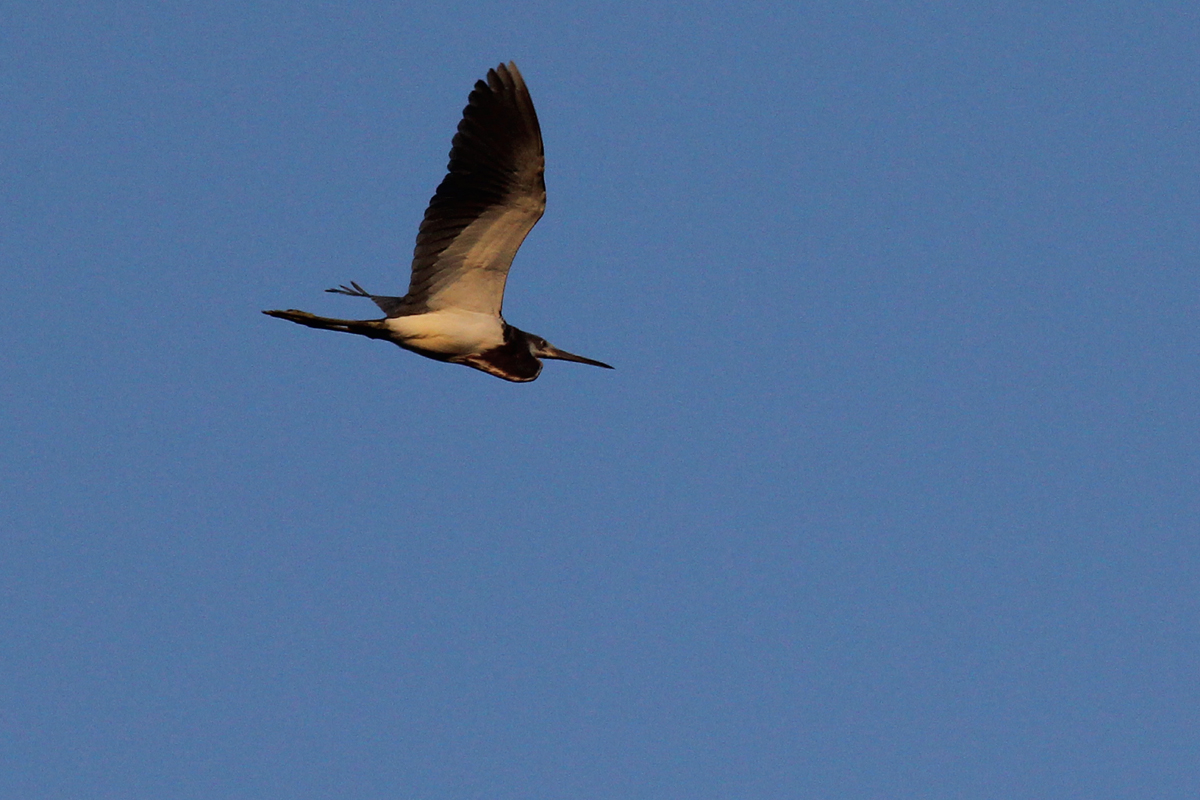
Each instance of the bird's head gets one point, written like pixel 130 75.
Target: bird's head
pixel 540 348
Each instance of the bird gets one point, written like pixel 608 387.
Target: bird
pixel 493 194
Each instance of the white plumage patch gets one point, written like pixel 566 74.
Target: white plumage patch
pixel 449 331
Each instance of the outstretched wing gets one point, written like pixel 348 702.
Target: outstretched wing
pixel 492 196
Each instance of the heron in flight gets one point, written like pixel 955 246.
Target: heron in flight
pixel 492 196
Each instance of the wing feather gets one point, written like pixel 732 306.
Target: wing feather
pixel 493 194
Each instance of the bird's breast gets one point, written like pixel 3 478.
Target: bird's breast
pixel 448 332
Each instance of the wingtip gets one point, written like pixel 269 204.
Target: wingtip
pixel 507 72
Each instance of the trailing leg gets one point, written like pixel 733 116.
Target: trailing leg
pixel 364 327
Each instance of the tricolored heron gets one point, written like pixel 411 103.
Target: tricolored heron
pixel 492 196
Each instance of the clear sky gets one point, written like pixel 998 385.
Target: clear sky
pixel 893 492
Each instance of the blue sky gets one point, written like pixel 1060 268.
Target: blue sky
pixel 892 494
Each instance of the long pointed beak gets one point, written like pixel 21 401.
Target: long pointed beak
pixel 550 351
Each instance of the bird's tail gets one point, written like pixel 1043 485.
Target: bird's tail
pixel 386 304
pixel 364 327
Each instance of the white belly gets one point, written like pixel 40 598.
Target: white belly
pixel 451 331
